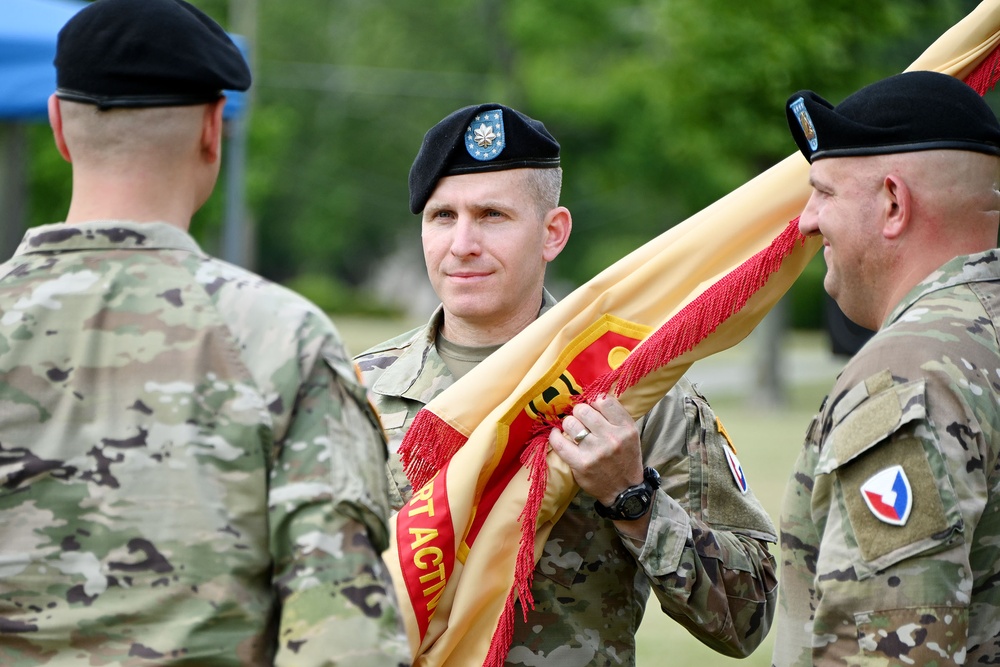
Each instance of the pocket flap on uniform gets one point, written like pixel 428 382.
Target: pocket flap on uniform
pixel 393 420
pixel 872 421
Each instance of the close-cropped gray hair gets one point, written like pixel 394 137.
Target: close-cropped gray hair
pixel 545 186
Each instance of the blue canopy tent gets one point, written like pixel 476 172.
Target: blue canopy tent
pixel 28 30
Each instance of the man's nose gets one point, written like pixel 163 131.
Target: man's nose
pixel 808 220
pixel 466 239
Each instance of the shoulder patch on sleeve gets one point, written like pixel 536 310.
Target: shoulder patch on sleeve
pixel 925 514
pixel 735 466
pixel 893 485
pixel 718 481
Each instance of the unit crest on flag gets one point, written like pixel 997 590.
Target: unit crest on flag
pixel 888 495
pixel 556 401
pixel 485 138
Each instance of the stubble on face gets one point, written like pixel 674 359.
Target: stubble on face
pixel 848 219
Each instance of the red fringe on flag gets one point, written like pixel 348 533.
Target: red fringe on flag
pixel 697 320
pixel 427 446
pixel 984 77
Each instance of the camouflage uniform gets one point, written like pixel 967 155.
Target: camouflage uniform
pixel 922 394
pixel 705 559
pixel 190 472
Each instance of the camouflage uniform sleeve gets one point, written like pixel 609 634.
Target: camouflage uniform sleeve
pixel 895 500
pixel 328 507
pixel 705 554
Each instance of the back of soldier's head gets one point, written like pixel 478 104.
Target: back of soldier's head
pixel 132 77
pixel 126 135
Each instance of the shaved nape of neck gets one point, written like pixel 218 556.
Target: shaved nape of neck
pixel 156 132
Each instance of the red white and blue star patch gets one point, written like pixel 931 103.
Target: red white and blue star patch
pixel 888 495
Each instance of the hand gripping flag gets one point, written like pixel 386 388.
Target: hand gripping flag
pixel 488 490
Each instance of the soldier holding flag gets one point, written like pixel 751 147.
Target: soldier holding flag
pixel 664 506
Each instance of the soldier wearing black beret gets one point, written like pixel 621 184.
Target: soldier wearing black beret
pixel 486 184
pixel 192 473
pixel 889 539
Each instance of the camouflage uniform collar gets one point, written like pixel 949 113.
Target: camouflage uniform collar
pixel 411 371
pixel 980 267
pixel 402 376
pixel 106 234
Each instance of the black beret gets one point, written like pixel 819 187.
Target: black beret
pixel 913 111
pixel 146 53
pixel 487 137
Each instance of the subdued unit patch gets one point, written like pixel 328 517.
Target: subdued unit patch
pixel 874 537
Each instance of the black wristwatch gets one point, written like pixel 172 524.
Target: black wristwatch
pixel 633 502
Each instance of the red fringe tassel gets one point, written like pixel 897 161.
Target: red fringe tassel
pixel 427 446
pixel 700 318
pixel 984 77
pixel 533 458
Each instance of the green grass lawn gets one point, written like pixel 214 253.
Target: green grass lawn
pixel 767 441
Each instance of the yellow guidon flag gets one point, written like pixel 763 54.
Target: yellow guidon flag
pixel 488 490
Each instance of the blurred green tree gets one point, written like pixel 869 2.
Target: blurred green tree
pixel 661 108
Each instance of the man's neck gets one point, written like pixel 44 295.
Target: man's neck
pixel 460 359
pixel 482 333
pixel 136 200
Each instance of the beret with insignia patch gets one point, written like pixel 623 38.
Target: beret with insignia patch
pixel 487 137
pixel 146 53
pixel 913 111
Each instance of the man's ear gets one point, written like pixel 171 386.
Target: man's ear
pixel 898 206
pixel 558 225
pixel 212 128
pixel 55 120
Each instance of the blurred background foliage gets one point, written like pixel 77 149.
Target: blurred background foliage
pixel 661 108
